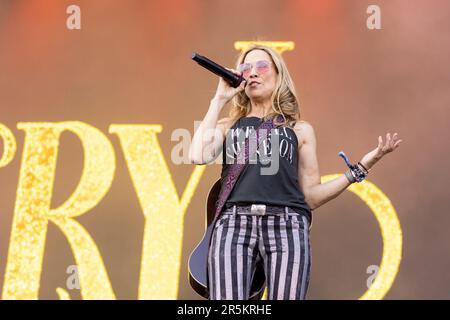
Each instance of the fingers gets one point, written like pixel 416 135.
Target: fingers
pixel 238 73
pixel 241 86
pixel 391 142
pixel 234 71
pixel 395 140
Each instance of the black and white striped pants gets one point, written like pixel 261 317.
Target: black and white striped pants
pixel 240 240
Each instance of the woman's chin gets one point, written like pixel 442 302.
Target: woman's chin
pixel 256 96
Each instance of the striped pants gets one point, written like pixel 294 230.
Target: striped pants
pixel 240 240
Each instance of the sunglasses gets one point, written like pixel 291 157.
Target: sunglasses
pixel 262 66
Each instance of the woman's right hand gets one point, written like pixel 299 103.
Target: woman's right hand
pixel 225 92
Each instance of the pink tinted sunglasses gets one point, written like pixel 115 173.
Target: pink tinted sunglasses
pixel 262 66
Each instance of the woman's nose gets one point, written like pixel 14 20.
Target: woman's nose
pixel 253 72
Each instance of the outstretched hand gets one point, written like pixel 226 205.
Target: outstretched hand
pixel 381 150
pixel 390 145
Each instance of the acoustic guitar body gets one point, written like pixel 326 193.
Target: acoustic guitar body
pixel 198 258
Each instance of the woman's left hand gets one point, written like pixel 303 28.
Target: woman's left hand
pixel 381 150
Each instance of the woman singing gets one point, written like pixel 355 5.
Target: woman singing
pixel 267 217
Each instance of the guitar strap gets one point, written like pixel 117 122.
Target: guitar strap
pixel 242 160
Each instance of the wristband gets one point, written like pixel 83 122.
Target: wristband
pixel 349 176
pixel 358 171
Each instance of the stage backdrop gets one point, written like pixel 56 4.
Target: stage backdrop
pixel 98 99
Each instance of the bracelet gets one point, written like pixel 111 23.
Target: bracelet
pixel 358 171
pixel 363 168
pixel 360 175
pixel 349 176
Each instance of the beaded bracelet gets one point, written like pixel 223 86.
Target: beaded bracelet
pixel 358 171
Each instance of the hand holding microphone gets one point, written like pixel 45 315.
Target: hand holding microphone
pixel 231 82
pixel 225 91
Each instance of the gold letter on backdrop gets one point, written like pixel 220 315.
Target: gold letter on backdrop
pixel 163 210
pixel 32 210
pixel 280 46
pixel 9 145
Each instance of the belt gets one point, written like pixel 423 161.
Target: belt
pixel 261 209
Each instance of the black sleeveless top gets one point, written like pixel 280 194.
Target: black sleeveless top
pixel 281 187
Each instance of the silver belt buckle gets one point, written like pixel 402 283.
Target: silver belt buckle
pixel 258 209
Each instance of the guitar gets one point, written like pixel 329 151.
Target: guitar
pixel 198 258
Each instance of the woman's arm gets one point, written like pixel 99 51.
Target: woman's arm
pixel 317 193
pixel 208 138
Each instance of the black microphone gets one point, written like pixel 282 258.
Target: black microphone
pixel 233 79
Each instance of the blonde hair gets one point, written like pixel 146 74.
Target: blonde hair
pixel 284 98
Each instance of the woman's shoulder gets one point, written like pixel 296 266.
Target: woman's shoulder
pixel 303 125
pixel 303 130
pixel 225 122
